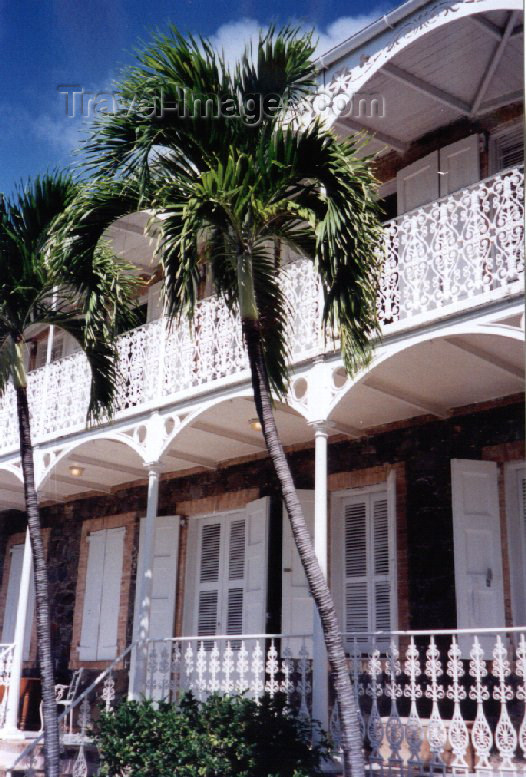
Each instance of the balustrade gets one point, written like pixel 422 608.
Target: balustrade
pixel 441 702
pixel 455 253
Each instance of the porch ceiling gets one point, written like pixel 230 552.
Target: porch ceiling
pixel 223 433
pixel 462 69
pixel 128 240
pixel 434 378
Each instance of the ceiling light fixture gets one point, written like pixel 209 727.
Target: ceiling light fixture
pixel 76 470
pixel 255 424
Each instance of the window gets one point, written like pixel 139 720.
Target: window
pixel 98 640
pixel 365 562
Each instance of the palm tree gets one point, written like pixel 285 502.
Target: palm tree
pixel 88 296
pixel 241 184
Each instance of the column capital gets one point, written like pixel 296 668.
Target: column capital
pixel 153 467
pixel 321 427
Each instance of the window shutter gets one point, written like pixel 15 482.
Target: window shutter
pixel 209 569
pixel 111 594
pixel 255 604
pixel 11 606
pixel 357 599
pixel 236 574
pixel 92 596
pixel 166 546
pixel 364 539
pixel 297 605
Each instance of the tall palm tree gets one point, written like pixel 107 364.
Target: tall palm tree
pixel 241 181
pixel 88 295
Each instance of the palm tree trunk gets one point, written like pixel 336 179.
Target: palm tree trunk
pixel 353 763
pixel 49 707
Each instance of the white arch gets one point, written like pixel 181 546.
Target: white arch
pixel 383 354
pixel 46 473
pixel 13 470
pixel 202 408
pixel 345 84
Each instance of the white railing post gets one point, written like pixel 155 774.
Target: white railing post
pixel 10 729
pixel 144 581
pixel 320 673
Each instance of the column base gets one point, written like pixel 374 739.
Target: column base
pixel 12 735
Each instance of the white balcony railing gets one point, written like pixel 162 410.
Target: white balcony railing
pixel 459 252
pixel 429 701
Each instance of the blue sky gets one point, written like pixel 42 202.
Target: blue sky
pixel 48 43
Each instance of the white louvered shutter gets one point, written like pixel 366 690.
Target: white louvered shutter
pixel 236 576
pixel 368 593
pixel 356 588
pixel 11 607
pixel 209 582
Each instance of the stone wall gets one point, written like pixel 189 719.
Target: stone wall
pixel 424 447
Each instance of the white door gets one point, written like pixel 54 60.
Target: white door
pixel 477 546
pixel 297 607
pixel 459 165
pixel 11 606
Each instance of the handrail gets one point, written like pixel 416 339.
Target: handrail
pixel 28 751
pixel 435 632
pixel 445 197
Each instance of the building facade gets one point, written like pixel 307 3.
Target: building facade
pixel 165 531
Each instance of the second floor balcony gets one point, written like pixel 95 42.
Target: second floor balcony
pixel 457 254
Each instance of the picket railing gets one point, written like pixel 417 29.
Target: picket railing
pixel 440 701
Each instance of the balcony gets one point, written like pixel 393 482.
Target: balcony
pixel 454 255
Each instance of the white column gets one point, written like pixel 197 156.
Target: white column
pixel 10 729
pixel 144 582
pixel 320 675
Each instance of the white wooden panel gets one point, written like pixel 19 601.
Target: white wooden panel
pixel 13 590
pixel 111 594
pixel 478 554
pixel 255 605
pixel 515 484
pixel 155 305
pixel 297 606
pixel 417 184
pixel 459 165
pixel 164 579
pixel 89 637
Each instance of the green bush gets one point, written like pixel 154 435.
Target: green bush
pixel 222 737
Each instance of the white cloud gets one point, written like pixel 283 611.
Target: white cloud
pixel 61 132
pixel 343 28
pixel 232 37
